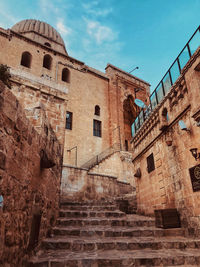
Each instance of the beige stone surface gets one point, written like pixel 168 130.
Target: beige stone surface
pixel 169 185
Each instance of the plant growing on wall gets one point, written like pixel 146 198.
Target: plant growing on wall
pixel 5 75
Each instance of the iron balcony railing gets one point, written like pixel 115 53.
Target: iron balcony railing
pixel 168 80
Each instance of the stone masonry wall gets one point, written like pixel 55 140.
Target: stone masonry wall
pixel 119 165
pixel 121 86
pixel 169 185
pixel 79 185
pixel 27 189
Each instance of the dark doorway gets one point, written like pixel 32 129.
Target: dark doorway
pixel 35 230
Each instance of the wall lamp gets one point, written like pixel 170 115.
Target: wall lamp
pixel 195 154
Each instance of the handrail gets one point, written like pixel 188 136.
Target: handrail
pixel 168 79
pixel 103 155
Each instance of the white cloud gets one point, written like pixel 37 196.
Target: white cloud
pixel 47 6
pixel 99 32
pixel 91 8
pixel 62 28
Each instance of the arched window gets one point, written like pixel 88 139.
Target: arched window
pixel 47 44
pixel 47 60
pixel 65 75
pixel 26 59
pixel 97 110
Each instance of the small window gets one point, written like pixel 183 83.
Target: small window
pixel 97 110
pixel 47 44
pixel 65 75
pixel 68 120
pixel 47 60
pixel 97 128
pixel 126 145
pixel 150 163
pixel 165 114
pixel 26 59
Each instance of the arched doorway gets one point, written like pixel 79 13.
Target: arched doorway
pixel 130 113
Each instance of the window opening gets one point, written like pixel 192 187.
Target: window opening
pixel 47 44
pixel 26 59
pixel 126 145
pixel 47 60
pixel 150 163
pixel 69 120
pixel 97 110
pixel 97 128
pixel 65 75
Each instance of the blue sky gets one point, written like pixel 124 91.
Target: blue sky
pixel 126 33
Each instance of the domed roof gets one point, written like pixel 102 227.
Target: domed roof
pixel 40 27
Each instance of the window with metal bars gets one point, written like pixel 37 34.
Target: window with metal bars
pixel 150 163
pixel 97 128
pixel 68 124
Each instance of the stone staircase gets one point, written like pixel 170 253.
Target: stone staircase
pixel 96 160
pixel 98 234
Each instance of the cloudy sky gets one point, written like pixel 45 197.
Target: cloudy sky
pixel 126 33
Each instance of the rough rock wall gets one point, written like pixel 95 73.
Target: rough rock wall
pixel 28 190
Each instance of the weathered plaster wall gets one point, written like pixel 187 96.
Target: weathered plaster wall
pixel 78 184
pixel 26 188
pixel 169 185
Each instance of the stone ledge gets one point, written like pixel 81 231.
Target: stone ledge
pixel 74 167
pixel 102 175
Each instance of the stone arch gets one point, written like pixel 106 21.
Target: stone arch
pixel 47 61
pixel 66 75
pixel 130 113
pixel 97 110
pixel 26 59
pixel 47 44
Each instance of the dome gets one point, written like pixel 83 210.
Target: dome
pixel 25 27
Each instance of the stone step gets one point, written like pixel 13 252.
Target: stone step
pixel 88 203
pixel 88 214
pixel 104 221
pixel 109 258
pixel 135 243
pixel 90 208
pixel 115 231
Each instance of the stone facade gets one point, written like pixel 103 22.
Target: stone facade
pixel 101 160
pixel 169 184
pixel 30 189
pixel 84 88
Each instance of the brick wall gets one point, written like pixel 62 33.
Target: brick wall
pixel 28 190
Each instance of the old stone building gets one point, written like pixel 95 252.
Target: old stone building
pixel 72 133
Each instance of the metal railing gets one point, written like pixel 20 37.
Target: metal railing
pixel 102 156
pixel 168 80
